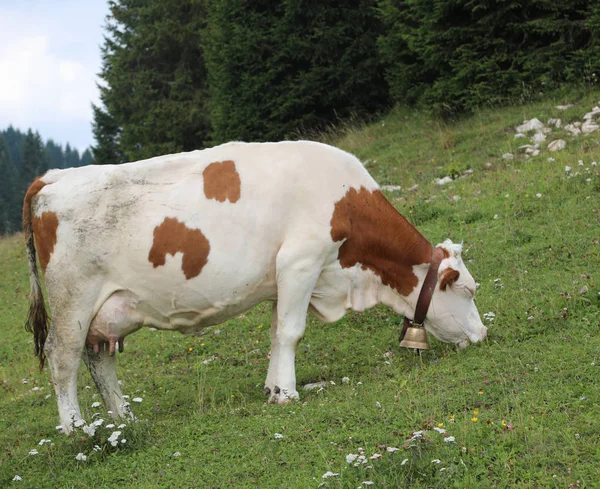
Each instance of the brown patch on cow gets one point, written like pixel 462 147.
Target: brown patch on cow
pixel 379 238
pixel 44 233
pixel 222 181
pixel 449 276
pixel 173 236
pixel 32 191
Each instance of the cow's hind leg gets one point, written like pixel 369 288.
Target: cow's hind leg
pixel 103 368
pixel 297 274
pixel 64 352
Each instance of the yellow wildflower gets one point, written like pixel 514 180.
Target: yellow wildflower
pixel 474 420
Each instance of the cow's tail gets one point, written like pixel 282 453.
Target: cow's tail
pixel 37 319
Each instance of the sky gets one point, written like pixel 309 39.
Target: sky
pixel 49 61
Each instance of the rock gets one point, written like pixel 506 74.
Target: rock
pixel 589 126
pixel 508 156
pixel 577 124
pixel 554 122
pixel 535 152
pixel 564 107
pixel 557 145
pixel 531 125
pixel 519 135
pixel 572 129
pixel 590 115
pixel 443 181
pixel 315 385
pixel 538 137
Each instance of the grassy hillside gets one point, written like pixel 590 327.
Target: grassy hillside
pixel 522 408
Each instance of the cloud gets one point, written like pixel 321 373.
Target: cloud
pixel 40 86
pixel 49 57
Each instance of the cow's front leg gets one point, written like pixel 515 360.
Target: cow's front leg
pixel 103 368
pixel 296 279
pixel 271 380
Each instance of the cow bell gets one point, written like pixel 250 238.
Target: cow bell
pixel 415 338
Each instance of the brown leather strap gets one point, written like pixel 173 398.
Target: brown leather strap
pixel 426 292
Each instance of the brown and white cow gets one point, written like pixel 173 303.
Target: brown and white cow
pixel 184 241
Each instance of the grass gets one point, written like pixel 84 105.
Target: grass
pixel 522 407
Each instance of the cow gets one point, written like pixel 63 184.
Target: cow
pixel 185 241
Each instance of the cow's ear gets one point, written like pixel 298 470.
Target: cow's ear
pixel 448 277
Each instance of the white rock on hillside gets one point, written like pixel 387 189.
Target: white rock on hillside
pixel 557 145
pixel 443 181
pixel 564 107
pixel 592 114
pixel 531 125
pixel 519 135
pixel 554 122
pixel 589 126
pixel 538 137
pixel 573 129
pixel 508 156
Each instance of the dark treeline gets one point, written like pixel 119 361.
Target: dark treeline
pixel 23 157
pixel 186 74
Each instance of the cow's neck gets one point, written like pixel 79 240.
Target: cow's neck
pixel 380 240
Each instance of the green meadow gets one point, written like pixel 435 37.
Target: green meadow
pixel 520 410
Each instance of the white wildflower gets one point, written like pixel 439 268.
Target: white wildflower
pixel 328 474
pixel 580 162
pixel 97 448
pixel 47 396
pixel 404 461
pixel 113 439
pixel 378 404
pixel 98 422
pixel 123 441
pixel 416 435
pixel 392 449
pixel 567 169
pixel 90 429
pixel 81 457
pixel 351 457
pixel 110 426
pixel 95 404
pixel 375 456
pixel 439 430
pixel 449 439
pixel 538 195
pixel 59 427
pixel 79 423
pixel 24 381
pixel 345 380
pixel 278 436
pixel 33 452
pixel 17 478
pixel 368 483
pixel 436 461
pixel 121 426
pixel 137 399
pixel 124 396
pixel 87 387
pixel 594 163
pixel 43 441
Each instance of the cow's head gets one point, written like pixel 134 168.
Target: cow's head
pixel 452 316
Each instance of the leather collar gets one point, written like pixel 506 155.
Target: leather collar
pixel 426 293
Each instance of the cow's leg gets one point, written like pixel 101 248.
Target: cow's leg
pixel 273 356
pixel 103 368
pixel 297 274
pixel 64 352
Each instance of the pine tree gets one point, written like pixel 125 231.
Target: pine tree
pixel 9 194
pixel 155 91
pixel 32 159
pixel 277 68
